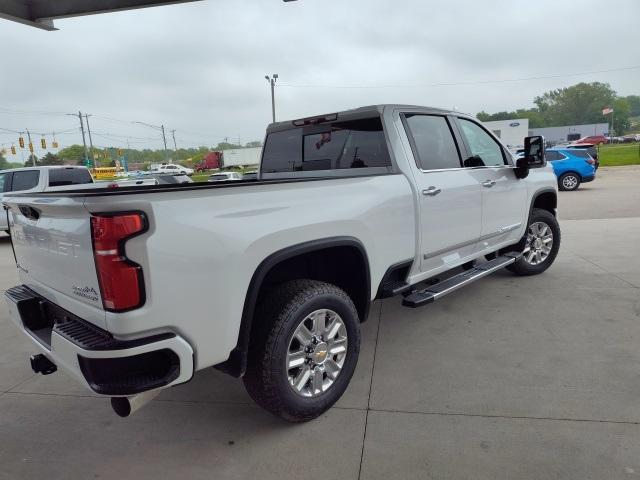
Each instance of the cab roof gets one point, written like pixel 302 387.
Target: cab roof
pixel 355 114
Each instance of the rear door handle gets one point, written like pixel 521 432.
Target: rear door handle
pixel 488 183
pixel 431 191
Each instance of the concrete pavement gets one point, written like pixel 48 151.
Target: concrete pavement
pixel 510 377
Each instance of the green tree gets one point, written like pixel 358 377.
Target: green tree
pixel 4 164
pixel 72 153
pixel 31 160
pixel 254 144
pixel 534 116
pixel 634 105
pixel 575 105
pixel 621 114
pixel 49 159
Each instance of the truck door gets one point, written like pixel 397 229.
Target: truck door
pixel 450 197
pixel 504 197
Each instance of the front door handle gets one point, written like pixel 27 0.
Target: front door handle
pixel 431 191
pixel 488 183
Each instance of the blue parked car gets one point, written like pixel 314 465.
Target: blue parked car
pixel 571 166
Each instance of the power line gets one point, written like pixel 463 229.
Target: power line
pixel 11 111
pixel 51 133
pixel 107 137
pixel 105 134
pixel 461 83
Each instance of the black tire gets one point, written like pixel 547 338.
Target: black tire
pixel 277 317
pixel 569 181
pixel 522 266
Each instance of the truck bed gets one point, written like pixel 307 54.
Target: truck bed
pixel 138 189
pixel 203 244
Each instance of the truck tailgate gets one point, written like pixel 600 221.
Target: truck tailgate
pixel 54 254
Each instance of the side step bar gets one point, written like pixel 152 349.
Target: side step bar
pixel 431 293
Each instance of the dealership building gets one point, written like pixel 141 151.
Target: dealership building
pixel 570 133
pixel 510 132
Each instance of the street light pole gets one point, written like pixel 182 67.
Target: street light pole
pixel 272 81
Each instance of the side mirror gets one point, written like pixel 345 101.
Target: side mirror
pixel 534 151
pixel 474 161
pixel 533 156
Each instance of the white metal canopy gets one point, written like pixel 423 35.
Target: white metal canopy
pixel 41 13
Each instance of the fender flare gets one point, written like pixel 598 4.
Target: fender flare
pixel 540 192
pixel 236 364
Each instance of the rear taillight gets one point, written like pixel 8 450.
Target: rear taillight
pixel 590 161
pixel 120 279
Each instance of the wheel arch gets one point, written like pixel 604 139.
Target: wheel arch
pixel 546 199
pixel 323 259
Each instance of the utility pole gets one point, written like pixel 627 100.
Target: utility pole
pixel 21 151
pixel 157 127
pixel 164 139
pixel 272 81
pixel 86 117
pixel 33 156
pixel 175 147
pixel 84 141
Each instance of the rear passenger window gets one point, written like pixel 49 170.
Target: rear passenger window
pixel 25 180
pixel 3 176
pixel 433 143
pixel 334 146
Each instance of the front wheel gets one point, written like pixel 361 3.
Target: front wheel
pixel 542 243
pixel 304 349
pixel 569 181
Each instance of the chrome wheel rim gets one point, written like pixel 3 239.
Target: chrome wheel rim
pixel 539 243
pixel 569 182
pixel 317 352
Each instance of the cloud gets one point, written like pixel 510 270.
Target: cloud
pixel 199 68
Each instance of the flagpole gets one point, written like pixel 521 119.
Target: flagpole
pixel 612 120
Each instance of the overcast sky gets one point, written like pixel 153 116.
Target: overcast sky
pixel 199 68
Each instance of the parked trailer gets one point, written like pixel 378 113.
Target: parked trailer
pixel 237 157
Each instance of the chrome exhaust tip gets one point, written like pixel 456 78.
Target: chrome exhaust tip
pixel 125 406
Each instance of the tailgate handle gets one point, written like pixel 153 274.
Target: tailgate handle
pixel 29 212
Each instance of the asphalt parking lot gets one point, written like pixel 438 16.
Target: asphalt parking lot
pixel 508 378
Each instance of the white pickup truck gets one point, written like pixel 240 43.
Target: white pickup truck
pixel 56 178
pixel 135 289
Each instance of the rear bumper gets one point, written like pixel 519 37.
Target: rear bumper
pixel 588 179
pixel 106 365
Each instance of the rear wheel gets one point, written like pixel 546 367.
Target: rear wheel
pixel 569 181
pixel 542 243
pixel 304 349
